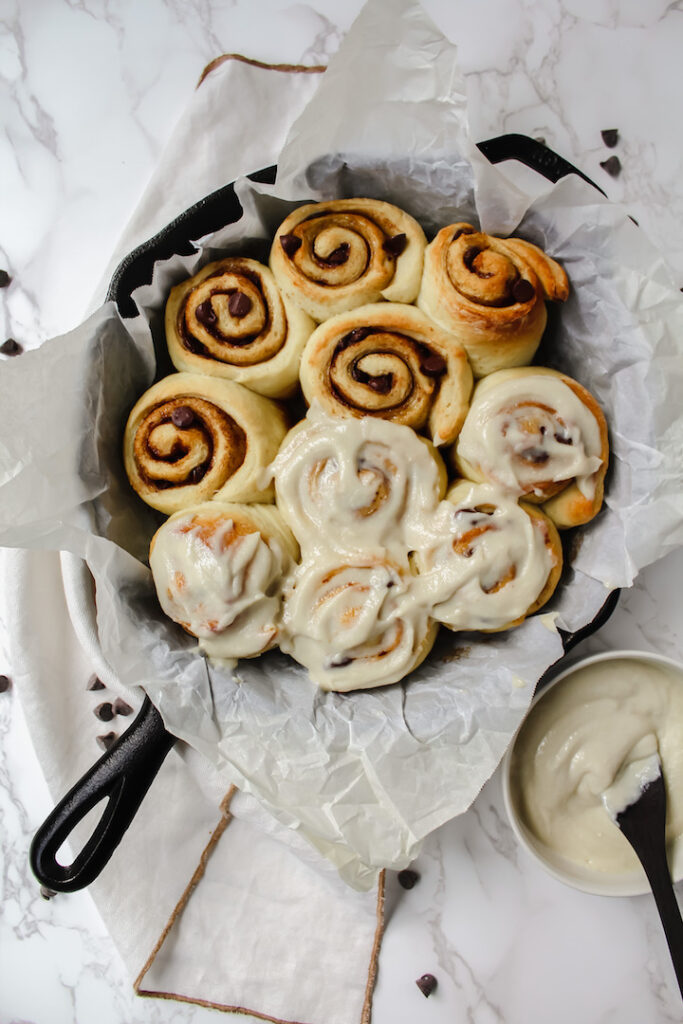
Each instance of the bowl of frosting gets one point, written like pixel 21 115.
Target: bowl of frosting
pixel 584 732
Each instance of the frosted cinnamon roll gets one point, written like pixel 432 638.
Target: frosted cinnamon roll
pixel 218 570
pixel 230 321
pixel 389 360
pixel 353 625
pixel 490 294
pixel 352 485
pixel 190 438
pixel 495 561
pixel 334 256
pixel 540 435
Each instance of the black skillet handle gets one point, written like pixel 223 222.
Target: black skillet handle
pixel 532 154
pixel 123 774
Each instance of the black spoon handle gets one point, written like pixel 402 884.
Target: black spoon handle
pixel 653 859
pixel 123 774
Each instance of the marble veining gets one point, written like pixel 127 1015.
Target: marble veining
pixel 90 92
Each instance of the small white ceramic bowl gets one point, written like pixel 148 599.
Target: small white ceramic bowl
pixel 575 875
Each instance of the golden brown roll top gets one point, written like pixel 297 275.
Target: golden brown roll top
pixel 191 438
pixel 390 361
pixel 540 435
pixel 332 257
pixel 218 569
pixel 490 293
pixel 229 320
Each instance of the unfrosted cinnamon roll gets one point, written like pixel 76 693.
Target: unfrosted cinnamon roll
pixel 352 624
pixel 389 360
pixel 218 570
pixel 190 438
pixel 490 294
pixel 493 561
pixel 331 257
pixel 354 485
pixel 540 435
pixel 230 321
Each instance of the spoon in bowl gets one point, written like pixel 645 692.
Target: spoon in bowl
pixel 636 802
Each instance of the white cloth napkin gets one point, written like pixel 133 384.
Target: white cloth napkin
pixel 200 881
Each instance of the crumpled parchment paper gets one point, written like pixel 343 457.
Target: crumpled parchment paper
pixel 364 777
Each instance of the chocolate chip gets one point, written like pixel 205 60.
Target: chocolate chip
pixel 122 708
pixel 197 474
pixel 395 245
pixel 182 417
pixel 46 893
pixel 5 279
pixel 612 165
pixel 354 336
pixel 290 244
pixel 382 383
pixel 205 314
pixel 434 365
pixel 523 290
pixel 536 456
pixel 107 740
pixel 408 878
pixel 390 584
pixel 94 683
pixel 105 712
pixel 5 684
pixel 462 231
pixel 426 984
pixel 610 136
pixel 239 305
pixel 11 347
pixel 337 257
pixel 469 256
pixel 561 439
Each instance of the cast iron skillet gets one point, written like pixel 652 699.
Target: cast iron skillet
pixel 126 771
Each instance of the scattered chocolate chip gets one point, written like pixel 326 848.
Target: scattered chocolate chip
pixel 426 984
pixel 462 231
pixel 612 165
pixel 5 279
pixel 290 244
pixel 239 305
pixel 337 257
pixel 122 708
pixel 106 740
pixel 408 878
pixel 354 336
pixel 339 662
pixel 469 256
pixel 610 136
pixel 534 455
pixel 182 417
pixel 5 684
pixel 205 314
pixel 390 584
pixel 105 712
pixel 46 893
pixel 395 245
pixel 11 347
pixel 197 474
pixel 94 683
pixel 523 291
pixel 434 365
pixel 561 439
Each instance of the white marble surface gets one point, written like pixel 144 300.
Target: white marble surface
pixel 91 91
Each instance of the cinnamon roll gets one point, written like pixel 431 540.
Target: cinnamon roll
pixel 190 438
pixel 495 561
pixel 218 569
pixel 490 294
pixel 332 257
pixel 540 435
pixel 230 321
pixel 352 623
pixel 354 485
pixel 389 360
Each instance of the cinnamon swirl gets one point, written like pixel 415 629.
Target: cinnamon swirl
pixel 218 569
pixel 334 256
pixel 230 321
pixel 541 435
pixel 190 438
pixel 389 360
pixel 490 294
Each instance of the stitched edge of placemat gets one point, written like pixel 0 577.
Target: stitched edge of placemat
pixel 225 819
